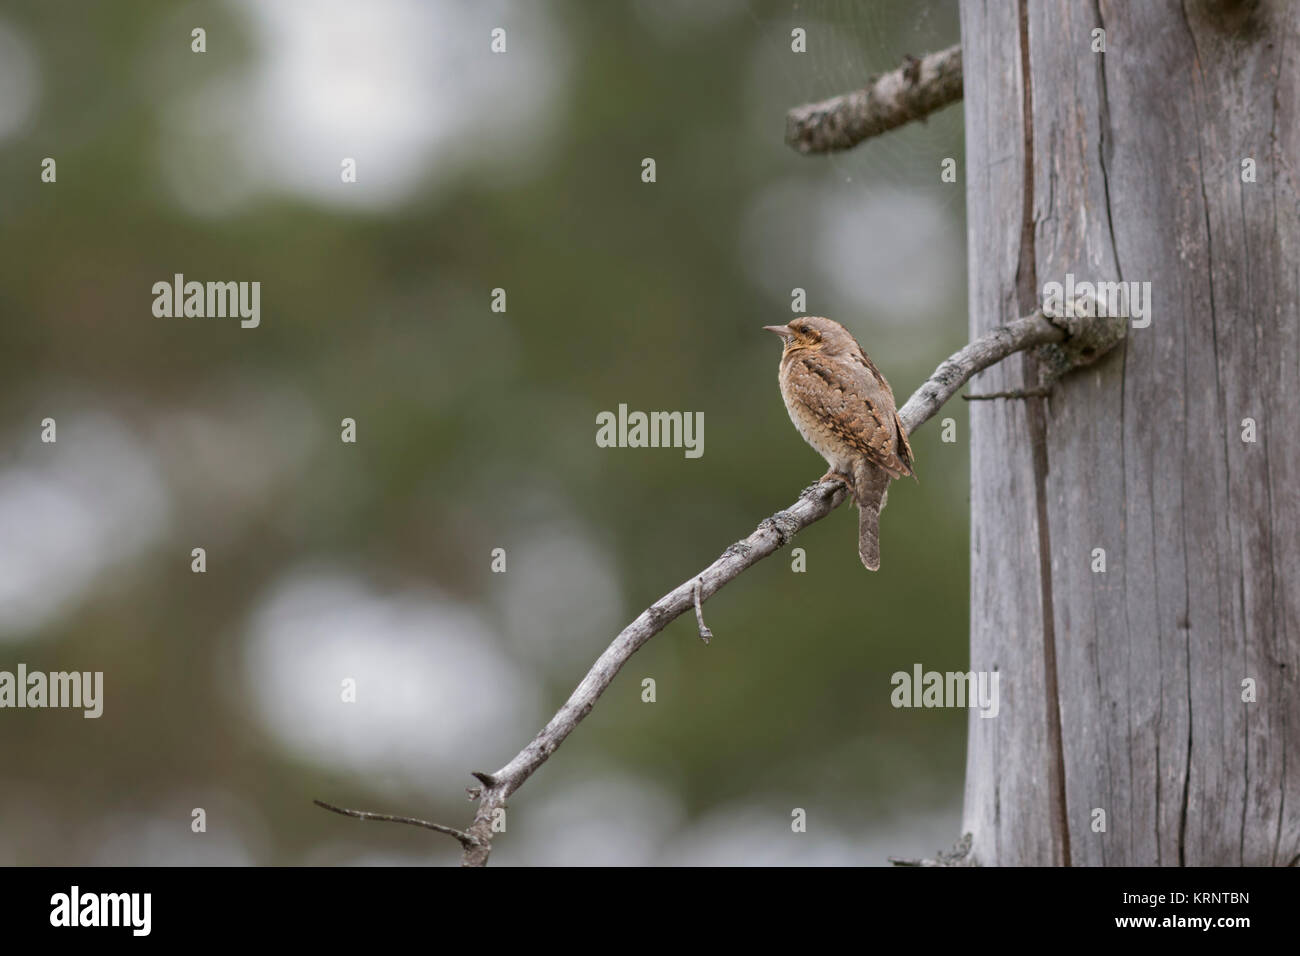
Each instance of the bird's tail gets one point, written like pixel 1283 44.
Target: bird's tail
pixel 870 489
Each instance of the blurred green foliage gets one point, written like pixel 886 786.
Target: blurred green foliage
pixel 475 426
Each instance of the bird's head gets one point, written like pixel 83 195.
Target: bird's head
pixel 814 333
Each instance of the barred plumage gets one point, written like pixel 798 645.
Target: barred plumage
pixel 844 409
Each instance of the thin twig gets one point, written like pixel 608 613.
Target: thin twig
pixel 814 503
pixel 705 633
pixel 465 839
pixel 913 91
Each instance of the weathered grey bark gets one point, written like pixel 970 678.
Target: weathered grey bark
pixel 1122 690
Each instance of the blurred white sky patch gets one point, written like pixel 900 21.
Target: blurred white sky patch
pixel 409 89
pixel 69 510
pixel 104 493
pixel 894 254
pixel 20 79
pixel 155 841
pixel 560 596
pixel 237 834
pixel 435 698
pixel 744 835
pixel 604 820
pixel 202 155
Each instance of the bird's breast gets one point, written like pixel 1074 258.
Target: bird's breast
pixel 814 430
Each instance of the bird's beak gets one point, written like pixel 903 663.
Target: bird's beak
pixel 781 330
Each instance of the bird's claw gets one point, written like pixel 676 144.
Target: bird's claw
pixel 836 476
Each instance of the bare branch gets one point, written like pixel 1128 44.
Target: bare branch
pixel 814 503
pixel 913 91
pixel 1028 332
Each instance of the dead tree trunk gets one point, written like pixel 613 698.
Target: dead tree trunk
pixel 1171 158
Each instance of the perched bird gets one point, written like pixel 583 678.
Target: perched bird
pixel 844 408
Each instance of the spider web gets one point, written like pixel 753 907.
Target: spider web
pixel 848 42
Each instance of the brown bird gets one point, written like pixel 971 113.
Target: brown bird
pixel 844 408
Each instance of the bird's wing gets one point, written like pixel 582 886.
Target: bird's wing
pixel 853 399
pixel 905 446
